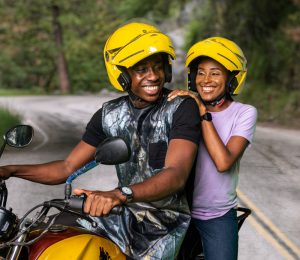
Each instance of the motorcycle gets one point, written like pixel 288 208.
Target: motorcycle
pixel 57 236
pixel 46 235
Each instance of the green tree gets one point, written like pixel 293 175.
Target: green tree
pixel 158 12
pixel 61 62
pixel 54 43
pixel 26 43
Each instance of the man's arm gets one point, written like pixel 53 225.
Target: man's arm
pixel 179 160
pixel 184 138
pixel 54 172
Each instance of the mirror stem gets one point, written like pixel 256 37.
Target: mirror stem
pixel 74 175
pixel 3 192
pixel 68 191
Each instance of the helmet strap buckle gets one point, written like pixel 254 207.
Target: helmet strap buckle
pixel 219 101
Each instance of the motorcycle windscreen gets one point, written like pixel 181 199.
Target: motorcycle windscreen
pixel 84 246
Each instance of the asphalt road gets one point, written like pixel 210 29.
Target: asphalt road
pixel 269 179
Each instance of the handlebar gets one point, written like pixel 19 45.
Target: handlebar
pixel 76 204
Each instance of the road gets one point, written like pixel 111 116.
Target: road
pixel 269 179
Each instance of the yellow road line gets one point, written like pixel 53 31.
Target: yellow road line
pixel 269 223
pixel 260 229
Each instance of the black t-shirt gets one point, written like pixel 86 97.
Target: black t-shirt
pixel 186 124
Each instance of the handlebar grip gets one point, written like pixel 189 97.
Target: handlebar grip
pixel 77 202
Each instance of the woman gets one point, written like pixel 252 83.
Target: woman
pixel 217 71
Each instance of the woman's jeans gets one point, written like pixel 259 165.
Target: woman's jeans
pixel 219 236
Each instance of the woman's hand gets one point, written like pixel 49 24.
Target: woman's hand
pixel 194 95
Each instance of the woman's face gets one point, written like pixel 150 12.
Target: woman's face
pixel 210 79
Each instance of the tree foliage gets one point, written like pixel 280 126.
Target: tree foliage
pixel 158 12
pixel 267 31
pixel 30 48
pixel 28 43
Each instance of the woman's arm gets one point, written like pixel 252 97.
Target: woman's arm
pixel 224 156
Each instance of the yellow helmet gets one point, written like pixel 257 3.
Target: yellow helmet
pixel 130 44
pixel 224 51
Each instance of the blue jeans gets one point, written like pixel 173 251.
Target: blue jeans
pixel 219 236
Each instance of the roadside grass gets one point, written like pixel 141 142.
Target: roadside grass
pixel 8 120
pixel 275 105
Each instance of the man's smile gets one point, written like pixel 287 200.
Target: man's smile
pixel 151 90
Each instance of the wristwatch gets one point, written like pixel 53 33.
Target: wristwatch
pixel 127 192
pixel 207 117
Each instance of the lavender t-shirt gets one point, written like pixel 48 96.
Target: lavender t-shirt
pixel 215 192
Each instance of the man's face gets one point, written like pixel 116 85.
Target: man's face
pixel 147 78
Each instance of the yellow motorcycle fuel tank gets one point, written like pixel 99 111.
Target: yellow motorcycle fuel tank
pixel 83 247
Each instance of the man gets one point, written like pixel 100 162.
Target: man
pixel 163 137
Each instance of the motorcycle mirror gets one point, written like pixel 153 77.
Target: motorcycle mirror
pixel 19 136
pixel 113 150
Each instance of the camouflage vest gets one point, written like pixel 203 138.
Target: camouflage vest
pixel 145 230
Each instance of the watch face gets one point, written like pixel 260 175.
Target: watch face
pixel 127 190
pixel 207 116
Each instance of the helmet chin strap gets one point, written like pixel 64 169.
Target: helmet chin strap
pixel 216 102
pixel 134 97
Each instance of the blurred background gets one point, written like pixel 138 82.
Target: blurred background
pixel 55 47
pixel 52 76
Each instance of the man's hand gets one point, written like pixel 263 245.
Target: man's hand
pixel 100 203
pixel 4 173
